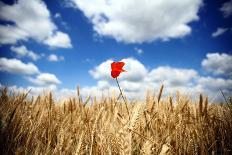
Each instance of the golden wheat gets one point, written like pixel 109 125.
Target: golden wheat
pixel 40 125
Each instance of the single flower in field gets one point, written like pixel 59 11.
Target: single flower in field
pixel 116 68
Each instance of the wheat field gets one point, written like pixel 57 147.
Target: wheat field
pixel 159 125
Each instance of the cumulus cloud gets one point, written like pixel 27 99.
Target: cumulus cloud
pixel 215 84
pixel 227 9
pixel 58 94
pixel 33 90
pixel 139 51
pixel 217 63
pixel 136 71
pixel 212 87
pixel 59 39
pixel 22 51
pixel 11 34
pixel 57 15
pixel 133 80
pixel 45 79
pixel 133 67
pixel 55 58
pixel 140 21
pixel 17 66
pixel 29 16
pixel 186 81
pixel 31 21
pixel 102 71
pixel 138 79
pixel 219 32
pixel 172 76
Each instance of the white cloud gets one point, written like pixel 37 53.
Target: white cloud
pixel 32 17
pixel 57 15
pixel 135 70
pixel 139 51
pixel 45 79
pixel 212 87
pixel 88 60
pixel 133 80
pixel 217 63
pixel 227 9
pixel 138 21
pixel 33 90
pixel 215 84
pixel 17 66
pixel 58 94
pixel 11 34
pixel 55 58
pixel 186 81
pixel 59 39
pixel 31 21
pixel 219 32
pixel 22 51
pixel 102 71
pixel 52 57
pixel 138 79
pixel 172 76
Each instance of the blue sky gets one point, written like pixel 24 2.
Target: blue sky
pixel 61 44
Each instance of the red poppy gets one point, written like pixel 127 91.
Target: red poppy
pixel 116 68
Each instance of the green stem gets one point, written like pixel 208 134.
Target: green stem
pixel 123 97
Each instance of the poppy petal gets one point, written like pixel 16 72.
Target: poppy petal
pixel 112 65
pixel 120 65
pixel 115 74
pixel 117 68
pixel 117 65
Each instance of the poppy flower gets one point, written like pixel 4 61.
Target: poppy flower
pixel 116 68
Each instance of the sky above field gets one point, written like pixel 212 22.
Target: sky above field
pixel 59 45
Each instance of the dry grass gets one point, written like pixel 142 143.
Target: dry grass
pixel 157 126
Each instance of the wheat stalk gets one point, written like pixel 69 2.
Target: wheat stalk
pixel 42 125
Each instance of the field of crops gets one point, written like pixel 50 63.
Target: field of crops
pixel 158 125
